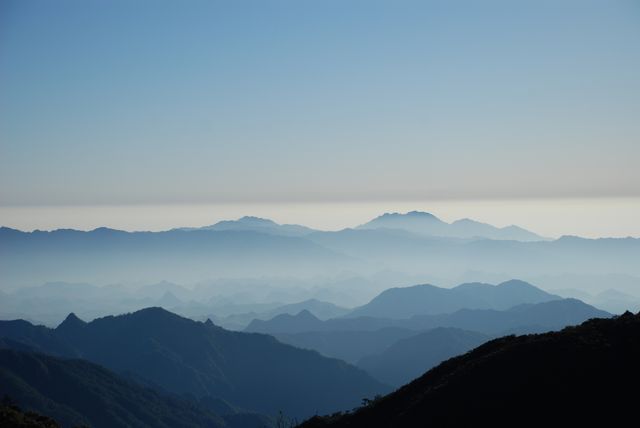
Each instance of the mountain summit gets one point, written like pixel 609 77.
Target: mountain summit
pixel 258 224
pixel 427 224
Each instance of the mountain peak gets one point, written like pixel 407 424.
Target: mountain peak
pixel 256 220
pixel 153 311
pixel 306 315
pixel 516 283
pixel 410 214
pixel 422 214
pixel 71 322
pixel 259 224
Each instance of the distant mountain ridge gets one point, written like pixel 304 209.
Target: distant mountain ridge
pixel 106 256
pixel 428 299
pixel 258 224
pixel 524 318
pixel 427 224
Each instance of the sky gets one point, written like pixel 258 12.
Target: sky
pixel 116 107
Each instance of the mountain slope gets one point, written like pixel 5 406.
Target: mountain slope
pixel 14 417
pixel 254 371
pixel 581 376
pixel 76 392
pixel 408 358
pixel 349 346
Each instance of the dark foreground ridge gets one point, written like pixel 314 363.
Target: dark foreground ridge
pixel 78 393
pixel 581 375
pixel 14 417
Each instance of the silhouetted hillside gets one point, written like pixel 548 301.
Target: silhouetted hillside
pixel 253 371
pixel 406 302
pixel 76 392
pixel 581 376
pixel 410 357
pixel 12 416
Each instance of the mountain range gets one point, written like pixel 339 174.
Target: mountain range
pixel 181 356
pixel 257 224
pixel 427 224
pixel 395 350
pixel 259 248
pixel 524 318
pixel 428 299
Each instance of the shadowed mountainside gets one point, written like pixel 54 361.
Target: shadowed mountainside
pixel 408 358
pixel 583 375
pixel 76 392
pixel 14 417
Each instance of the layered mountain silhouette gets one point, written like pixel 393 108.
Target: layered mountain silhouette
pixel 525 318
pixel 427 306
pixel 580 376
pixel 428 299
pixel 14 417
pixel 105 256
pixel 427 224
pixel 183 356
pixel 317 308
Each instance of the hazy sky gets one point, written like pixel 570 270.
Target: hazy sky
pixel 273 102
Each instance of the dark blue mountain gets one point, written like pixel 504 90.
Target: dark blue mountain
pixel 182 356
pixel 76 392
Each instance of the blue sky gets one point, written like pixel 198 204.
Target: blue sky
pixel 152 102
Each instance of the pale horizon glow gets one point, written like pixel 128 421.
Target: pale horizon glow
pixel 552 218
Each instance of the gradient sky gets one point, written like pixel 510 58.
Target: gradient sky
pixel 193 102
